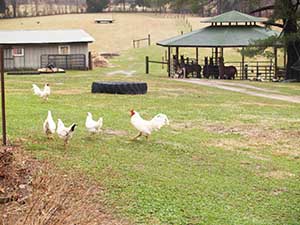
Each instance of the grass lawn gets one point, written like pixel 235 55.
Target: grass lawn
pixel 226 158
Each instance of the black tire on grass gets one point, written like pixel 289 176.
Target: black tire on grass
pixel 131 88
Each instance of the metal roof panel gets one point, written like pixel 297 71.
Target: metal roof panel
pixel 220 36
pixel 44 36
pixel 233 16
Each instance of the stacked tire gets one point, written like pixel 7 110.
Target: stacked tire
pixel 130 88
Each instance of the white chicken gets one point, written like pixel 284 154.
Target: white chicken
pixel 45 93
pixel 65 133
pixel 145 127
pixel 49 125
pixel 93 126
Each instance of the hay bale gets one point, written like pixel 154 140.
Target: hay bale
pixel 100 61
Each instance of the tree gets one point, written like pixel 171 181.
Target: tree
pixel 286 16
pixel 14 5
pixel 96 5
pixel 2 6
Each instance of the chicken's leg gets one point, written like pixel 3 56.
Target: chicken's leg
pixel 147 137
pixel 65 144
pixel 50 137
pixel 137 136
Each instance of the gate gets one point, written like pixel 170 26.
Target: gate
pixel 8 59
pixel 67 62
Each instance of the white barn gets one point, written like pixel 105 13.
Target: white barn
pixel 32 49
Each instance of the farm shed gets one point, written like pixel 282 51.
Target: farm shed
pixel 33 49
pixel 229 30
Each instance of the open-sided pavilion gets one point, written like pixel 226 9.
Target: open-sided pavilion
pixel 229 30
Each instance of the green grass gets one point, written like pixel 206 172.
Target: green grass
pixel 226 158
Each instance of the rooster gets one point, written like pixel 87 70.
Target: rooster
pixel 41 93
pixel 65 133
pixel 145 127
pixel 49 125
pixel 93 126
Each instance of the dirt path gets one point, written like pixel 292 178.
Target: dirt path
pixel 242 88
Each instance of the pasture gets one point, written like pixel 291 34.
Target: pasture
pixel 110 37
pixel 225 158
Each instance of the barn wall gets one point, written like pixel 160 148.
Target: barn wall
pixel 32 55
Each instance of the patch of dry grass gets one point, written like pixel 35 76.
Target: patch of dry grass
pixel 50 196
pixel 257 138
pixel 278 174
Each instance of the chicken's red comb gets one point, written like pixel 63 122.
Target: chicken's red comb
pixel 132 112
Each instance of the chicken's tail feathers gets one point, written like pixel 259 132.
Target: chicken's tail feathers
pixel 73 126
pixel 100 120
pixel 49 115
pixel 36 89
pixel 159 121
pixel 60 123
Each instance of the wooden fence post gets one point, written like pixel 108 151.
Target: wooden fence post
pixel 149 40
pixel 90 61
pixel 169 61
pixel 133 43
pixel 147 64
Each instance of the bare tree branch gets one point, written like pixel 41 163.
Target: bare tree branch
pixel 274 24
pixel 263 9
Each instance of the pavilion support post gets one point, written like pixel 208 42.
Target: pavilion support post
pixel 222 52
pixel 284 58
pixel 197 55
pixel 243 64
pixel 4 139
pixel 177 53
pixel 275 62
pixel 216 56
pixel 169 61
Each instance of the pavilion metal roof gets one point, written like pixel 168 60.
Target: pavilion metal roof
pixel 233 17
pixel 220 36
pixel 44 36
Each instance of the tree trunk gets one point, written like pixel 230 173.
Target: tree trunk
pixel 219 7
pixel 14 5
pixel 292 58
pixel 2 7
pixel 292 47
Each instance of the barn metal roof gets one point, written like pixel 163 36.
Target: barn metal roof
pixel 43 36
pixel 233 16
pixel 220 36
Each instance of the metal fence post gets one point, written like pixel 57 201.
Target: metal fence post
pixel 3 97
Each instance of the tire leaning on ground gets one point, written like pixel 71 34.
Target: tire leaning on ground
pixel 131 88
